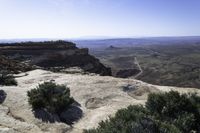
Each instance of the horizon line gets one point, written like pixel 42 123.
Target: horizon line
pixel 96 37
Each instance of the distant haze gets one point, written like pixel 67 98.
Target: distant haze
pixel 98 18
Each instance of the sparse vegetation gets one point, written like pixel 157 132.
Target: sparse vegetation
pixel 163 113
pixel 8 80
pixel 51 97
pixel 169 63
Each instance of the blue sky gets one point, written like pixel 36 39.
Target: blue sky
pixel 90 18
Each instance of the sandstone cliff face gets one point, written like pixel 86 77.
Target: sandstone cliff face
pixel 54 54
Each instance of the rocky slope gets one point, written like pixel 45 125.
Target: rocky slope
pixel 98 97
pixel 54 55
pixel 12 66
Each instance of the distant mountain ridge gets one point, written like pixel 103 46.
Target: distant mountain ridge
pixel 99 43
pixel 106 41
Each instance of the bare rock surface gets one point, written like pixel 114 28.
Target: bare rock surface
pixel 98 96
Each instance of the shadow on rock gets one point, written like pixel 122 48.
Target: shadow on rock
pixel 70 115
pixel 2 96
pixel 129 88
pixel 46 116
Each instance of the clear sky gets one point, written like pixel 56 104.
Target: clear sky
pixel 85 18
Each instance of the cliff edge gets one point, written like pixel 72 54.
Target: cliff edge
pixel 54 55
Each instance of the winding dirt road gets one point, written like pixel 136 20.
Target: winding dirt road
pixel 138 65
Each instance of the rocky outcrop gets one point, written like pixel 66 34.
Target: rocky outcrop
pixel 111 47
pixel 99 97
pixel 12 66
pixel 54 54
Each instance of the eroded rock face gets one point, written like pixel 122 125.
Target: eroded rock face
pixel 94 103
pixel 54 54
pixel 139 91
pixel 12 66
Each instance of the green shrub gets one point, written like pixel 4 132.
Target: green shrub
pixel 181 110
pixel 7 80
pixel 165 127
pixel 163 113
pixel 133 119
pixel 54 98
